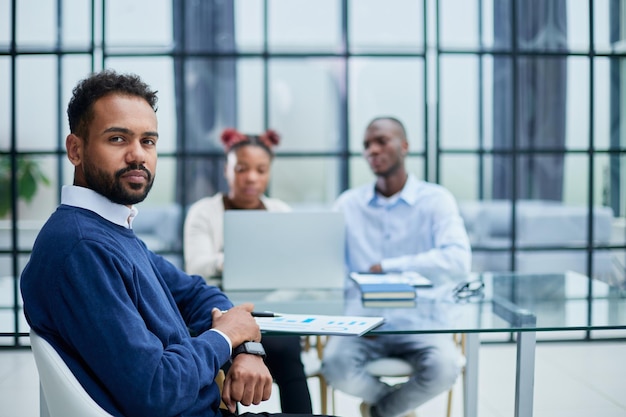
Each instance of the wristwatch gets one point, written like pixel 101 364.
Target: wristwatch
pixel 252 348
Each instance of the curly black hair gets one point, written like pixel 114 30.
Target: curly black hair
pixel 97 85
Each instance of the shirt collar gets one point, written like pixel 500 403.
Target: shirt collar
pixel 408 194
pixel 72 195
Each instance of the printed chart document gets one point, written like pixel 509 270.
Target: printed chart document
pixel 306 324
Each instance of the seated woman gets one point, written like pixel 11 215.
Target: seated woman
pixel 247 171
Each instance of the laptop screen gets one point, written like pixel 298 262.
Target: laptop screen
pixel 283 250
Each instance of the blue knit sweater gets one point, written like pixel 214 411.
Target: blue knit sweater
pixel 121 316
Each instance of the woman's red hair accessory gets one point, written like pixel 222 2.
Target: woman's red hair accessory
pixel 232 137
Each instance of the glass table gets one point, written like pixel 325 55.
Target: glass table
pixel 521 304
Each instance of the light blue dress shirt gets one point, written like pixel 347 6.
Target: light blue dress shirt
pixel 418 229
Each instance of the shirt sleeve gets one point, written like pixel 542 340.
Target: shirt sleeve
pixel 225 336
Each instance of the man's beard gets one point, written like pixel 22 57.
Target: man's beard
pixel 111 187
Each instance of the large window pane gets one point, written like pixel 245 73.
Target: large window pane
pixel 315 184
pixel 390 26
pixel 304 26
pixel 6 109
pixel 453 175
pixel 458 109
pixel 36 29
pixel 458 23
pixel 618 169
pixel 124 30
pixel 609 195
pixel 605 112
pixel 205 102
pixel 575 179
pixel 387 87
pixel 552 107
pixel 249 34
pixel 541 25
pixel 578 25
pixel 250 95
pixel 304 103
pixel 36 101
pixel 78 33
pixel 360 172
pixel 578 102
pixel 5 23
pixel 541 106
pixel 606 20
pixel 204 26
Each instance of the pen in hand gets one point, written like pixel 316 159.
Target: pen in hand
pixel 265 314
pixel 260 313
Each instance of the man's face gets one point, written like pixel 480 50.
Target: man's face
pixel 384 147
pixel 118 159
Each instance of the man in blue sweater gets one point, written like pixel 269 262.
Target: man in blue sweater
pixel 121 316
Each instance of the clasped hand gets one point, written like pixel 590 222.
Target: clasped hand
pixel 248 380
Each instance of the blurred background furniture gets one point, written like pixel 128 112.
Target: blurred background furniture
pixel 544 233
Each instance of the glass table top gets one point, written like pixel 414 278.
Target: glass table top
pixel 491 302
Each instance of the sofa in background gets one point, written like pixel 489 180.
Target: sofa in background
pixel 539 224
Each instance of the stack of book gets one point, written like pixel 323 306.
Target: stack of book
pixel 386 290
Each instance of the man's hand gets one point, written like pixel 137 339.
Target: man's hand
pixel 377 268
pixel 238 324
pixel 248 381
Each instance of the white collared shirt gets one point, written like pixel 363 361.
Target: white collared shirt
pixel 81 197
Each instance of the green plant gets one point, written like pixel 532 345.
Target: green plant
pixel 29 176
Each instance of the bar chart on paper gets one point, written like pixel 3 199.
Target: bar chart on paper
pixel 319 324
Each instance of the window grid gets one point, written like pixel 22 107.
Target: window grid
pixel 99 53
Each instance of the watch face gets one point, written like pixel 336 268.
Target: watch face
pixel 255 348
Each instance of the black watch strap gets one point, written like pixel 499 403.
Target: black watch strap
pixel 252 348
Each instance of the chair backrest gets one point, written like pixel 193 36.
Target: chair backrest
pixel 62 394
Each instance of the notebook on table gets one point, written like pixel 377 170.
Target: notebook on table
pixel 283 250
pixel 409 277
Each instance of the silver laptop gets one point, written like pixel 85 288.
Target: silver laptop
pixel 293 250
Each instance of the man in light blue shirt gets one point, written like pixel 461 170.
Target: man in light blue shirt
pixel 396 224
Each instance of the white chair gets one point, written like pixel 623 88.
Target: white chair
pixel 399 368
pixel 61 395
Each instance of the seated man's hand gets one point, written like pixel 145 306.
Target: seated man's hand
pixel 248 381
pixel 238 324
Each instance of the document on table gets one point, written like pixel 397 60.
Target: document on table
pixel 307 324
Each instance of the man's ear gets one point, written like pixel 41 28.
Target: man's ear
pixel 74 146
pixel 405 147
